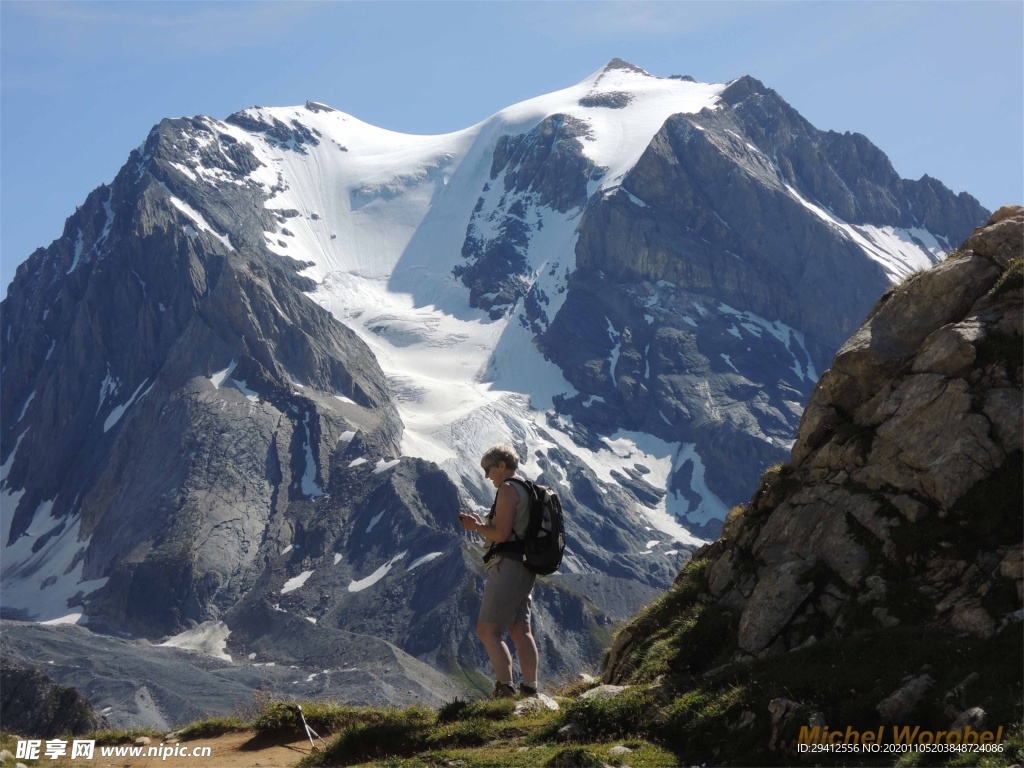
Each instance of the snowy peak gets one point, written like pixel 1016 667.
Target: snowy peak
pixel 620 64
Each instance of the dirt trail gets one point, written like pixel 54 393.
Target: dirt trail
pixel 232 750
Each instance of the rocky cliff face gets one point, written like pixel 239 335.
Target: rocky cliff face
pixel 190 391
pixel 711 233
pixel 898 519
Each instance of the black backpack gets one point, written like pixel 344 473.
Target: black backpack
pixel 543 542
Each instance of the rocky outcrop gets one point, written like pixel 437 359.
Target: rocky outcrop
pixel 31 704
pixel 902 503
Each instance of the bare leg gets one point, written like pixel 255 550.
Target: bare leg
pixel 526 649
pixel 490 635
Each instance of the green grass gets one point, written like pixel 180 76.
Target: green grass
pixel 214 726
pixel 327 717
pixel 1011 280
pixel 113 736
pixel 623 716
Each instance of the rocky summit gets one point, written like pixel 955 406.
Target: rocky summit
pixel 247 389
pixel 886 555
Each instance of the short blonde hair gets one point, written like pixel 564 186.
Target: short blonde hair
pixel 498 454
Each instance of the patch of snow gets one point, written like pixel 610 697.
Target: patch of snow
pixel 377 575
pixel 219 377
pixel 424 559
pixel 710 506
pixel 616 340
pixel 294 583
pixel 374 521
pixel 24 408
pixel 119 411
pixel 41 581
pixel 71 618
pixel 198 218
pixel 802 364
pixel 634 199
pixel 210 638
pixel 357 462
pixel 243 387
pixel 900 251
pixel 78 252
pixel 383 465
pixel 309 486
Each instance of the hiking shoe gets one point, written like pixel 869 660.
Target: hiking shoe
pixel 503 691
pixel 527 691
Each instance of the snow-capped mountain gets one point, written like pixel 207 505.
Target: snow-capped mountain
pixel 253 379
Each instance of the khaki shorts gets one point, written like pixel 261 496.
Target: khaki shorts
pixel 507 593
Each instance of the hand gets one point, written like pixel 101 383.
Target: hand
pixel 470 522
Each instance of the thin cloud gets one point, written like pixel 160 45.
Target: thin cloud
pixel 618 19
pixel 165 28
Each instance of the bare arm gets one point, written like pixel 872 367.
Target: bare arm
pixel 504 517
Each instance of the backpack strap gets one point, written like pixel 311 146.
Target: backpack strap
pixel 516 545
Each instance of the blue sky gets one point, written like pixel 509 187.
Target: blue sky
pixel 938 86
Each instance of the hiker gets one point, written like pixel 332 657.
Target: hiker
pixel 506 601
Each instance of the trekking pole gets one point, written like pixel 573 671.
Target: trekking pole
pixel 310 733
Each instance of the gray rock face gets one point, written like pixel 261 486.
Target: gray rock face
pixel 180 475
pixel 845 172
pixel 688 312
pixel 774 602
pixel 544 168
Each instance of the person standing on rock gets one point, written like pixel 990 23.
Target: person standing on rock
pixel 506 601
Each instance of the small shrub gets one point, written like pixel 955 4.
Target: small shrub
pixel 490 709
pixel 452 710
pixel 330 717
pixel 625 715
pixel 375 734
pixel 1012 279
pixel 214 726
pixel 376 741
pixel 467 733
pixel 699 719
pixel 957 253
pixel 733 521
